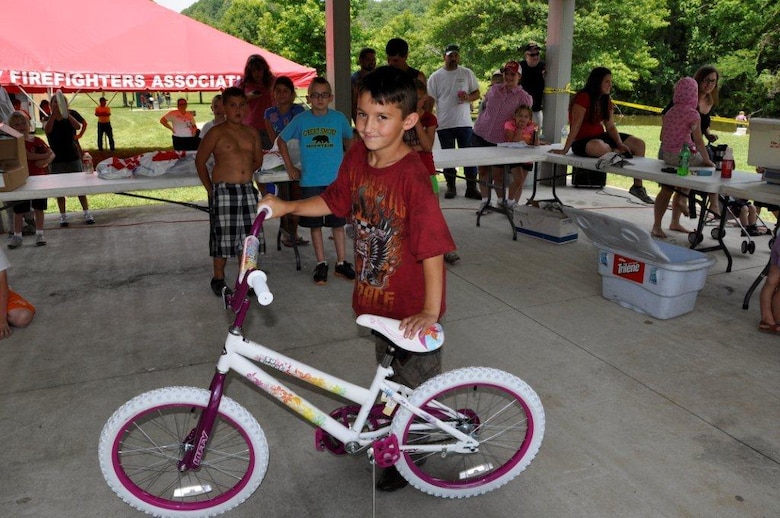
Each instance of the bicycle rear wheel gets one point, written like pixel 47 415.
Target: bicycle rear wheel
pixel 143 441
pixel 497 408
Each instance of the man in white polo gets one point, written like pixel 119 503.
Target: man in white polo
pixel 454 88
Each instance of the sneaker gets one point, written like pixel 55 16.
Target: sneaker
pixel 321 273
pixel 218 285
pixel 640 193
pixel 63 220
pixel 752 230
pixel 40 240
pixel 88 219
pixel 452 257
pixel 485 207
pixel 345 270
pixel 451 193
pixel 473 194
pixel 391 480
pixel 14 242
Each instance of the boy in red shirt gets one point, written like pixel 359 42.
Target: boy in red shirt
pixel 39 156
pixel 400 233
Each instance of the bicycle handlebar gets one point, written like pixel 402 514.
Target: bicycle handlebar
pixel 257 281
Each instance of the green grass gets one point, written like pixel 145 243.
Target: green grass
pixel 138 131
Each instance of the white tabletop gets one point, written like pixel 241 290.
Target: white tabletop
pixel 492 155
pixel 71 184
pixel 650 169
pixel 756 191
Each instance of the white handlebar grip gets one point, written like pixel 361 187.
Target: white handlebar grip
pixel 263 207
pixel 257 280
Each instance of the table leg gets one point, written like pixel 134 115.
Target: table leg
pixel 761 276
pixel 699 233
pixel 486 208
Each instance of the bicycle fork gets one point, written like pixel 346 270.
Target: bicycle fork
pixel 195 443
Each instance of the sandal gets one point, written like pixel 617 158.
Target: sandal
pixel 769 328
pixel 299 242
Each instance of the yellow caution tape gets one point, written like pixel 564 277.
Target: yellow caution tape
pixel 653 109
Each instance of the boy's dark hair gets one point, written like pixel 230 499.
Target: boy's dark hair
pixel 397 47
pixel 284 81
pixel 319 80
pixel 232 91
pixel 388 85
pixel 366 51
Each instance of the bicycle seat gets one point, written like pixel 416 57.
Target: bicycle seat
pixel 426 341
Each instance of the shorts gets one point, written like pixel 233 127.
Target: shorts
pixel 185 143
pixel 330 220
pixel 410 369
pixel 23 207
pixel 232 213
pixel 477 141
pixel 16 301
pixel 578 147
pixel 74 166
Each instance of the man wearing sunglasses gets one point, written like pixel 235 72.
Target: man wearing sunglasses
pixel 532 80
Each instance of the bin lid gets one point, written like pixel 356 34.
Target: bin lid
pixel 617 234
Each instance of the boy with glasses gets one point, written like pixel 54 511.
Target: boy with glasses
pixel 324 134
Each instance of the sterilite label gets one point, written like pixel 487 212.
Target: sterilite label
pixel 627 268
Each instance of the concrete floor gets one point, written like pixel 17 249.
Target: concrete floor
pixel 645 418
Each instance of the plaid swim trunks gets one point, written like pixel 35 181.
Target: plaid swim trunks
pixel 233 210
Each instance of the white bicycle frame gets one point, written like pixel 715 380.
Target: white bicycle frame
pixel 239 351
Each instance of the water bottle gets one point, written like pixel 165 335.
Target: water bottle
pixel 564 134
pixel 86 160
pixel 684 156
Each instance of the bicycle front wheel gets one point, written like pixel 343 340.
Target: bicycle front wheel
pixel 493 406
pixel 143 441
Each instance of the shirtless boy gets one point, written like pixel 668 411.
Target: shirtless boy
pixel 232 197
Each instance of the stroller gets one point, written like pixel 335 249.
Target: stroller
pixel 743 212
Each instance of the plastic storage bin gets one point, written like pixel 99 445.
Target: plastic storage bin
pixel 640 273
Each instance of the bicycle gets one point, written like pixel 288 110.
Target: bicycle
pixel 184 451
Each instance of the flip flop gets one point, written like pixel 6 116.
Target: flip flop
pixel 300 242
pixel 769 328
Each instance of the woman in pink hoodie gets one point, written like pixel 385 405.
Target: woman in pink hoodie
pixel 681 126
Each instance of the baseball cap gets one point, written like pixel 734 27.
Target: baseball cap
pixel 532 45
pixel 512 66
pixel 451 48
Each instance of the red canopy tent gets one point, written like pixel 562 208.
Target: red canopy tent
pixel 132 45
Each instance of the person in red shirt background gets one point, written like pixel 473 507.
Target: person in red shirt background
pixel 39 156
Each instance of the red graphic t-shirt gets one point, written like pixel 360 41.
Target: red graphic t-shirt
pixel 398 224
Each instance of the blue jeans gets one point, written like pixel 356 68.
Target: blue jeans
pixel 447 138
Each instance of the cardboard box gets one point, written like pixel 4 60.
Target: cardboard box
pixel 640 273
pixel 545 222
pixel 13 159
